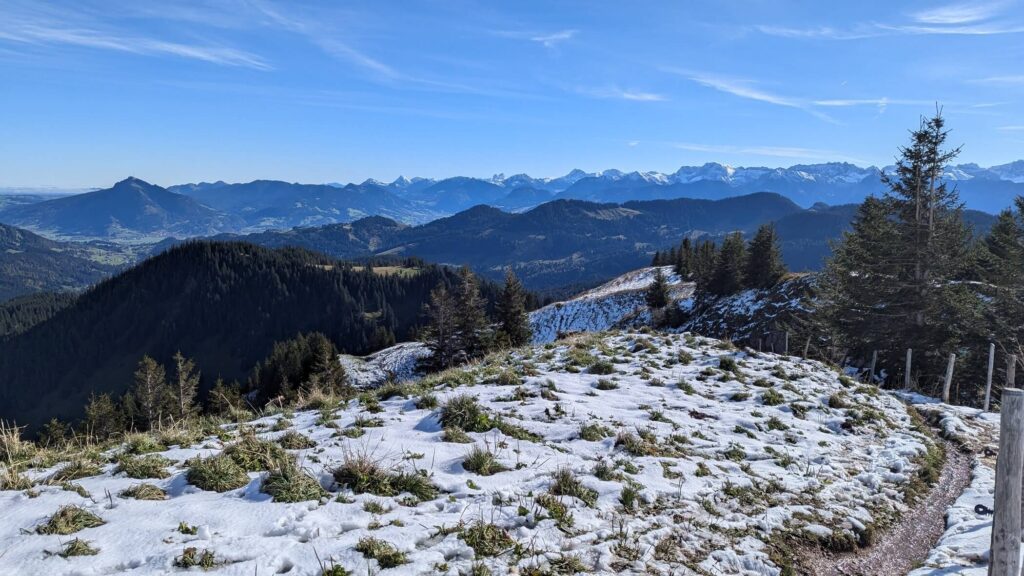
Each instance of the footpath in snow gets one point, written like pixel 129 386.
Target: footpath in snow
pixel 964 546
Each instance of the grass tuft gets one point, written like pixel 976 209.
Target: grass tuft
pixel 365 475
pixel 386 555
pixel 68 520
pixel 216 473
pixel 255 455
pixel 144 492
pixel 293 440
pixel 290 484
pixel 141 467
pixel 482 461
pixel 486 539
pixel 78 547
pixel 567 484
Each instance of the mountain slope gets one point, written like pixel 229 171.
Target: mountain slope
pixel 264 204
pixel 685 456
pixel 30 263
pixel 222 303
pixel 614 304
pixel 556 244
pixel 131 210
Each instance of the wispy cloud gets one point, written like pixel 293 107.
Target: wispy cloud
pixel 791 152
pixel 964 19
pixel 1014 128
pixel 616 93
pixel 958 13
pixel 546 39
pixel 814 32
pixel 1014 80
pixel 555 38
pixel 327 40
pixel 743 88
pixel 27 30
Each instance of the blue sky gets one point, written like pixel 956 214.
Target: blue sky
pixel 236 90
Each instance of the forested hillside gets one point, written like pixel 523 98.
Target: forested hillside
pixel 30 263
pixel 223 304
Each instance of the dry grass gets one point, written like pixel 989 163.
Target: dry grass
pixel 68 520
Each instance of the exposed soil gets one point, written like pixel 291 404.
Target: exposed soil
pixel 905 545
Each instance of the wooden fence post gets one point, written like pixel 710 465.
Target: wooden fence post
pixel 807 346
pixel 1005 551
pixel 906 373
pixel 949 378
pixel 785 347
pixel 988 379
pixel 871 371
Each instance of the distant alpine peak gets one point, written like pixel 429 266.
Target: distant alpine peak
pixel 132 183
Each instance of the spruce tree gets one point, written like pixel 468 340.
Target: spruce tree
pixel 704 264
pixel 657 293
pixel 150 391
pixel 684 259
pixel 103 417
pixel 855 286
pixel 1002 266
pixel 440 332
pixel 932 239
pixel 511 311
pixel 186 386
pixel 764 263
pixel 470 317
pixel 900 279
pixel 730 263
pixel 326 372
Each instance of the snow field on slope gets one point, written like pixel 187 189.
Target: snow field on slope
pixel 698 457
pixel 605 307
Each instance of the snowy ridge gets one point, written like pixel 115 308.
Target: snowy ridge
pixel 396 363
pixel 613 304
pixel 688 457
pixel 825 173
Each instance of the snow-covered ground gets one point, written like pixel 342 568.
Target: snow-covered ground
pixel 396 363
pixel 617 303
pixel 681 456
pixel 964 547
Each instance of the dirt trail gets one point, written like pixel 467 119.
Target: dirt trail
pixel 905 545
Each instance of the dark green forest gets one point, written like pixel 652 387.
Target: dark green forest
pixel 223 305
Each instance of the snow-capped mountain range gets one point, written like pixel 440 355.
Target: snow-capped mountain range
pixel 827 173
pixel 989 189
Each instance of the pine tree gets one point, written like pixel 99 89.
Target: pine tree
pixel 150 391
pixel 704 264
pixel 326 373
pixel 470 317
pixel 511 311
pixel 731 261
pixel 684 259
pixel 440 332
pixel 764 264
pixel 855 286
pixel 103 417
pixel 933 241
pixel 1002 264
pixel 657 293
pixel 224 398
pixel 185 387
pixel 899 279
